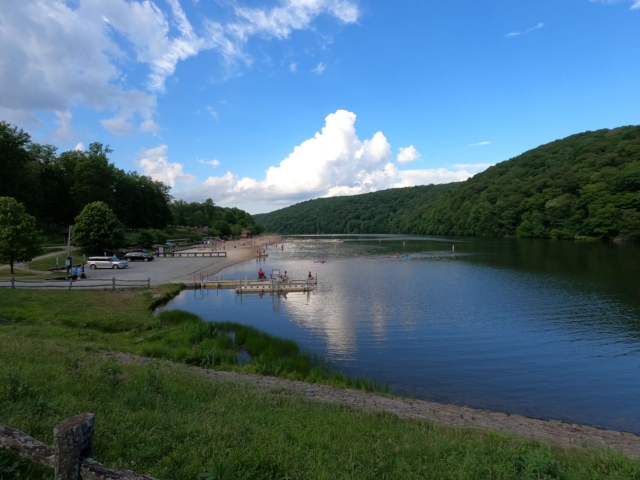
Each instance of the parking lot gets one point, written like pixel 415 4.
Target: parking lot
pixel 170 270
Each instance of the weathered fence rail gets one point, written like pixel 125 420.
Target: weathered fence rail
pixel 113 283
pixel 71 455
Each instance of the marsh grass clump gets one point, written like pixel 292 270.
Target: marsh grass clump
pixel 185 337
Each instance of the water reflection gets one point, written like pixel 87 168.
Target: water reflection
pixel 548 329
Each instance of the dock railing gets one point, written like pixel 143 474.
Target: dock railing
pixel 192 254
pixel 71 456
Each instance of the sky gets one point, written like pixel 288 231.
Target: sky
pixel 263 104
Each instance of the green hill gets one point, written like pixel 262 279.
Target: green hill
pixel 586 185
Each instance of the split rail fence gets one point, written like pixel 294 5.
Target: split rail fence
pixel 69 284
pixel 71 455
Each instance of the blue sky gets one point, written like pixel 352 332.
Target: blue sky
pixel 261 104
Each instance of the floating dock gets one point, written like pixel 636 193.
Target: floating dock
pixel 257 286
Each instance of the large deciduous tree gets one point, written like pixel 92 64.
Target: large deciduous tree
pixel 97 228
pixel 19 239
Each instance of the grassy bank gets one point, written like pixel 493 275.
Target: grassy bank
pixel 122 321
pixel 159 420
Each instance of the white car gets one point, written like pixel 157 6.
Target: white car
pixel 106 262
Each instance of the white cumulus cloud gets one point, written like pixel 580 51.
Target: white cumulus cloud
pixel 407 155
pixel 154 164
pixel 333 162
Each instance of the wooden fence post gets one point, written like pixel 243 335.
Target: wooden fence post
pixel 113 284
pixel 13 284
pixel 148 282
pixel 72 442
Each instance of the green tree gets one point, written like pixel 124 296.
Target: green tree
pixel 236 230
pixel 97 228
pixel 19 177
pixel 223 227
pixel 145 239
pixel 19 239
pixel 160 238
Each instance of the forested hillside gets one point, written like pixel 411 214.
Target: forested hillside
pixel 586 185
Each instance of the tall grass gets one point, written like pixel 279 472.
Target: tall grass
pixel 184 337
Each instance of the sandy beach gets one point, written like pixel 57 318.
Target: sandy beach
pixel 237 252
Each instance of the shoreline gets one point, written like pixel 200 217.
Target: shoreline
pixel 550 431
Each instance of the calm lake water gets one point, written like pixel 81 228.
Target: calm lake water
pixel 541 328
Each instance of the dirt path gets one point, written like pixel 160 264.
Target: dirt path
pixel 551 431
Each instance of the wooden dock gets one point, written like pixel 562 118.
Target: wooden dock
pixel 192 254
pixel 256 286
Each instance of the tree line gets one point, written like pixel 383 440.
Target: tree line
pixel 584 186
pixel 221 221
pixel 55 187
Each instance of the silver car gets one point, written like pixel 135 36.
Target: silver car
pixel 106 262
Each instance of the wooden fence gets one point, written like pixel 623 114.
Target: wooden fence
pixel 112 283
pixel 71 455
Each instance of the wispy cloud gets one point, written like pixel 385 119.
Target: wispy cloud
pixel 293 67
pixel 214 163
pixel 319 69
pixel 479 144
pixel 212 112
pixel 517 33
pixel 92 42
pixel 537 27
pixel 635 3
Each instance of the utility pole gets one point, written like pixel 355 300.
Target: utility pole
pixel 69 243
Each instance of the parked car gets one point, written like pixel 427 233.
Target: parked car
pixel 106 262
pixel 142 256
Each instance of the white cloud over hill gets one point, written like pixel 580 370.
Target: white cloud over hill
pixel 333 162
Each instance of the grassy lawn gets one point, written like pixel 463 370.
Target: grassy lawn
pixel 48 262
pixel 159 420
pixel 19 274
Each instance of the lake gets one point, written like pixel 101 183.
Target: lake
pixel 549 329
